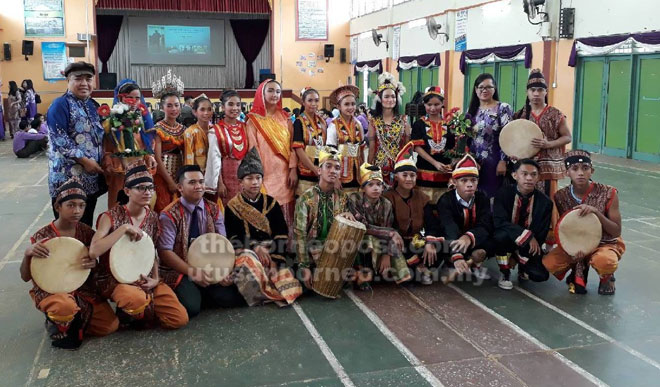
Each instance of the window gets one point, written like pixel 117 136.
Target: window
pixel 364 7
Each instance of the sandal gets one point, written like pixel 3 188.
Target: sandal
pixel 607 287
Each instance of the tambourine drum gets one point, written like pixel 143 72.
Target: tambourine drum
pixel 214 254
pixel 130 259
pixel 338 254
pixel 577 233
pixel 62 271
pixel 516 138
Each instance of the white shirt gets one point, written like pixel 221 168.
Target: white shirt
pixel 213 163
pixel 463 202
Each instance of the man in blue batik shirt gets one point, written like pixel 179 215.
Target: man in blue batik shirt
pixel 76 137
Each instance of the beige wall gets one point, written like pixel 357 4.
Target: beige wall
pixel 287 51
pixel 563 97
pixel 13 32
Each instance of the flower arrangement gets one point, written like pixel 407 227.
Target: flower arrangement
pixel 122 123
pixel 460 124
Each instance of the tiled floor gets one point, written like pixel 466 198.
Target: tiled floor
pixel 458 335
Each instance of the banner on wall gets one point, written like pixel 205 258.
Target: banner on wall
pixel 54 60
pixel 43 18
pixel 311 20
pixel 460 31
pixel 396 42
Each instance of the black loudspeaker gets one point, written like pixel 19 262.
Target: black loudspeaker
pixel 6 49
pixel 342 55
pixel 263 77
pixel 329 50
pixel 107 81
pixel 28 47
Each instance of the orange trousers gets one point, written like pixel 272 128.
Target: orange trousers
pixel 133 300
pixel 62 308
pixel 605 259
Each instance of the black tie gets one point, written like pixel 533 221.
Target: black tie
pixel 193 231
pixel 524 203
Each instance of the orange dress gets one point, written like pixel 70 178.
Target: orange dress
pixel 196 146
pixel 172 140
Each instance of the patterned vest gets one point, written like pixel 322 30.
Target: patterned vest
pixel 176 212
pixel 119 216
pixel 598 195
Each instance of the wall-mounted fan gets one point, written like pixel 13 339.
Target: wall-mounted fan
pixel 533 8
pixel 434 29
pixel 378 39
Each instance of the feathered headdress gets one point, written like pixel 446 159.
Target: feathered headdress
pixel 387 81
pixel 170 83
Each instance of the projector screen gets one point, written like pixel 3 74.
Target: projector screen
pixel 163 40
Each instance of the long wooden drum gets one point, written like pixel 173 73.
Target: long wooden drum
pixel 131 259
pixel 62 271
pixel 214 254
pixel 577 233
pixel 338 254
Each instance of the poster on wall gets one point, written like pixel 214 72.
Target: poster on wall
pixel 354 49
pixel 54 60
pixel 43 18
pixel 311 19
pixel 460 32
pixel 396 42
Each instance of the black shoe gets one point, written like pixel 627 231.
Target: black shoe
pixel 574 288
pixel 74 335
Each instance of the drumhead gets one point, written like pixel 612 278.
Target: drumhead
pixel 577 233
pixel 61 272
pixel 516 138
pixel 214 254
pixel 130 259
pixel 350 223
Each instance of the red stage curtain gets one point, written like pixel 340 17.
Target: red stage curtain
pixel 226 6
pixel 250 35
pixel 107 29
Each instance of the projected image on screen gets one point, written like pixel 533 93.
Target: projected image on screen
pixel 178 40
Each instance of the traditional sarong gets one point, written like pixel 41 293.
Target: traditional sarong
pixel 259 287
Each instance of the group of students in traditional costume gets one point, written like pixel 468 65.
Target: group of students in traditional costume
pixel 275 187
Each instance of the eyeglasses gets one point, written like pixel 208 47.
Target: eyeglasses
pixel 485 88
pixel 144 188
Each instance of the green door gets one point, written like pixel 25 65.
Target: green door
pixel 618 107
pixel 589 102
pixel 406 77
pixel 646 139
pixel 511 79
pixel 359 79
pixel 521 86
pixel 373 85
pixel 506 85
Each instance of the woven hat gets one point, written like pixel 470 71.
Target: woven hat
pixel 71 189
pixel 136 173
pixel 250 164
